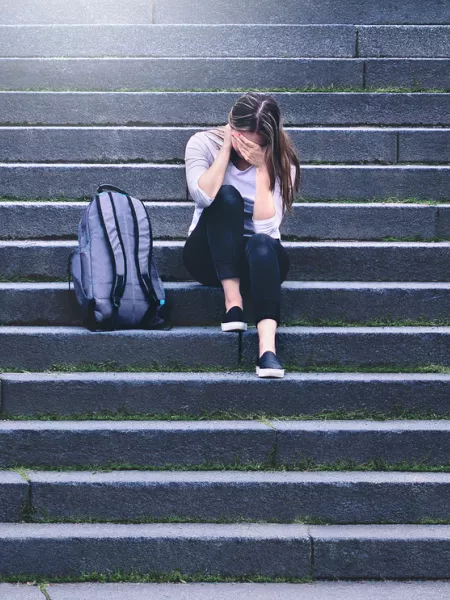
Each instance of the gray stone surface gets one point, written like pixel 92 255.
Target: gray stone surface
pixel 150 181
pixel 404 41
pixel 361 441
pixel 89 444
pixel 171 220
pixel 414 73
pixel 381 551
pixel 207 108
pixel 13 495
pixel 300 11
pixel 77 11
pixel 363 346
pixel 116 144
pixel 319 590
pixel 343 497
pixel 241 40
pixel 77 180
pixel 229 550
pixel 443 223
pixel 421 146
pixel 53 220
pixel 309 261
pixel 200 393
pixel 20 591
pixel 193 304
pixel 39 348
pixel 115 74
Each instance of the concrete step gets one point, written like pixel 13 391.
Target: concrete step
pixel 13 497
pixel 78 11
pixel 319 590
pixel 274 443
pixel 243 40
pixel 40 348
pixel 211 108
pixel 193 304
pixel 309 261
pixel 303 11
pixel 171 220
pixel 140 74
pixel 247 549
pixel 151 181
pixel 197 394
pixel 337 497
pixel 229 11
pixel 121 144
pixel 403 40
pixel 116 74
pixel 238 40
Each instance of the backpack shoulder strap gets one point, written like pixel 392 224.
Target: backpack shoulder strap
pixel 111 229
pixel 148 275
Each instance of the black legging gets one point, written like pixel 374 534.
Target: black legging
pixel 217 249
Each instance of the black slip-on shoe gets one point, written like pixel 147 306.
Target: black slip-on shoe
pixel 234 320
pixel 268 365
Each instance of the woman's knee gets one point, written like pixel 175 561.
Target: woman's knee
pixel 228 196
pixel 260 244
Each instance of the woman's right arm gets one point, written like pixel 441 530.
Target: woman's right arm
pixel 204 180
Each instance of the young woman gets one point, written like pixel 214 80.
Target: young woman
pixel 242 177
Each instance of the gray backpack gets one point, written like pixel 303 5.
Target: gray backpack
pixel 116 282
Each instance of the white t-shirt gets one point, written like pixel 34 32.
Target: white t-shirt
pixel 200 153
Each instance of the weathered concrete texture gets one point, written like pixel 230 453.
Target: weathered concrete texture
pixel 404 40
pixel 322 220
pixel 362 441
pixel 77 180
pixel 381 551
pixel 321 182
pixel 210 109
pixel 193 304
pixel 28 220
pixel 364 346
pixel 71 144
pixel 309 261
pixel 77 11
pixel 343 497
pixel 420 146
pixel 359 221
pixel 87 444
pixel 200 393
pixel 150 181
pixel 13 495
pixel 320 590
pixel 20 591
pixel 408 72
pixel 443 221
pixel 177 73
pixel 208 41
pixel 300 11
pixel 39 348
pixel 229 550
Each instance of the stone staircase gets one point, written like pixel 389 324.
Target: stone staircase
pixel 141 459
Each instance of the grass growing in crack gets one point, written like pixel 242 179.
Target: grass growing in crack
pixel 43 516
pixel 305 464
pixel 136 576
pixel 114 367
pixel 122 414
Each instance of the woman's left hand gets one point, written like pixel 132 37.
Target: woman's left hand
pixel 251 152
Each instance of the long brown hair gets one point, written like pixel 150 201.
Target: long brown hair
pixel 260 113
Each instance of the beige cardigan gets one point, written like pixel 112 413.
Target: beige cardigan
pixel 200 153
